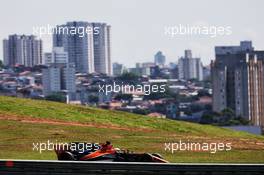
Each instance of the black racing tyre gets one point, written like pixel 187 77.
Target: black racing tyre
pixel 66 156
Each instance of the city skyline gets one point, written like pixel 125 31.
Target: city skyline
pixel 136 35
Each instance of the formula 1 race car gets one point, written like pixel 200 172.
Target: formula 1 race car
pixel 79 151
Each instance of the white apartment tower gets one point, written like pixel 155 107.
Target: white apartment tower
pixel 189 67
pixel 102 51
pixel 78 45
pixel 59 74
pixel 89 48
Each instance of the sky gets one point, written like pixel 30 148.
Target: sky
pixel 138 26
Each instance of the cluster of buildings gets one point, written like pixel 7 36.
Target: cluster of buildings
pixel 59 73
pixel 23 84
pixel 23 50
pixel 238 81
pixel 90 52
pixel 187 68
pixel 76 65
pixel 71 53
pixel 33 84
pixel 138 102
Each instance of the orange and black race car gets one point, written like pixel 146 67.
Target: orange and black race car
pixel 103 152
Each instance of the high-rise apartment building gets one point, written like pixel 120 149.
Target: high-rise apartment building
pixel 142 69
pixel 159 59
pixel 51 80
pixel 59 74
pixel 102 49
pixel 23 50
pixel 118 69
pixel 88 45
pixel 189 67
pixel 77 40
pixel 58 56
pixel 238 77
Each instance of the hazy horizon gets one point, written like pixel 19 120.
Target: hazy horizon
pixel 138 26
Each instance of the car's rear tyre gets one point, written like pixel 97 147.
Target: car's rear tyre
pixel 66 156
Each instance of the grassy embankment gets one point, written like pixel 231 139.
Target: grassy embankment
pixel 24 121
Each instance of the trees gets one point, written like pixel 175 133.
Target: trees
pixel 226 117
pixel 142 111
pixel 56 96
pixel 128 77
pixel 196 108
pixel 207 119
pixel 93 98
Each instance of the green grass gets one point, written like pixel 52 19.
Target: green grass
pixel 139 133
